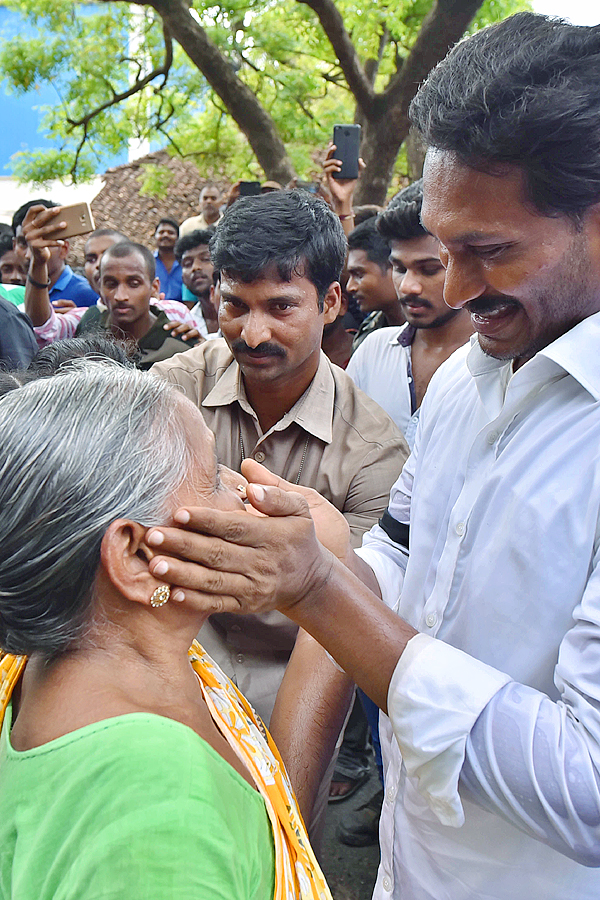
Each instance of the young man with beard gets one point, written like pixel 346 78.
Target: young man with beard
pixel 40 229
pixel 486 650
pixel 128 284
pixel 168 268
pixel 395 365
pixel 197 270
pixel 370 280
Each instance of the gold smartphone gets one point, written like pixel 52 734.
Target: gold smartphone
pixel 79 220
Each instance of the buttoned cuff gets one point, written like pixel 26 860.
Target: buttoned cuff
pixel 436 695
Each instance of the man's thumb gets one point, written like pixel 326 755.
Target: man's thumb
pixel 272 501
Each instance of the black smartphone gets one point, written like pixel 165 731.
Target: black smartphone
pixel 347 149
pixel 249 188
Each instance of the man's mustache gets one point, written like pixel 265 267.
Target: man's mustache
pixel 265 349
pixel 489 303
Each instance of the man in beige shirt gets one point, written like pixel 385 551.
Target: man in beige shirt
pixel 210 211
pixel 269 393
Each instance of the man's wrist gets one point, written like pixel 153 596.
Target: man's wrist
pixel 38 284
pixel 316 588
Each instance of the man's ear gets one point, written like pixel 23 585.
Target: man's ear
pixel 64 250
pixel 156 287
pixel 125 555
pixel 331 302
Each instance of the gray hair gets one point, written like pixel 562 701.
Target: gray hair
pixel 94 443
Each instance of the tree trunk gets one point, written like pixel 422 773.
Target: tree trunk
pixel 386 122
pixel 252 119
pixel 381 141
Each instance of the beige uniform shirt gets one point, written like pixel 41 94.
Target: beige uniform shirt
pixel 196 223
pixel 342 444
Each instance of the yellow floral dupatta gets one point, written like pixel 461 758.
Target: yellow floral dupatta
pixel 297 872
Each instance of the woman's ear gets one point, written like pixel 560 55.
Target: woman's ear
pixel 125 555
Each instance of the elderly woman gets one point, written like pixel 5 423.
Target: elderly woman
pixel 130 767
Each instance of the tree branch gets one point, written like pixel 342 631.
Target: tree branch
pixel 241 103
pixel 138 85
pixel 442 27
pixel 333 26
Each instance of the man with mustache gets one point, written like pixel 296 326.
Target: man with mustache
pixel 395 365
pixel 485 653
pixel 268 393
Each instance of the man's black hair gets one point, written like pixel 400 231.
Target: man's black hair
pixel 364 212
pixel 129 248
pixel 367 237
pixel 166 220
pixel 524 92
pixel 20 214
pixel 402 219
pixel 106 232
pixel 199 237
pixel 292 232
pixel 6 242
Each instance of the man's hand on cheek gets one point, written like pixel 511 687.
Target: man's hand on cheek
pixel 233 562
pixel 330 525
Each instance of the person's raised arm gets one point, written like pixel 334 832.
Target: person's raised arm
pixel 40 231
pixel 341 189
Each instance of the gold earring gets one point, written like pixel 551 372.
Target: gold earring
pixel 161 595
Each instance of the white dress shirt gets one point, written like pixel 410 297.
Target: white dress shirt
pixel 380 366
pixel 492 749
pixel 200 322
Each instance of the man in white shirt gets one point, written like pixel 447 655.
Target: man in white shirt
pixel 394 365
pixel 486 651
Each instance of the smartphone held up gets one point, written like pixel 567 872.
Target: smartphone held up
pixel 347 149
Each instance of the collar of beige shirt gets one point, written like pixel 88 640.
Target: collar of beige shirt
pixel 313 411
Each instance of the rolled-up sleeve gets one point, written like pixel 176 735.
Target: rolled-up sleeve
pixel 436 695
pixel 533 759
pixel 58 327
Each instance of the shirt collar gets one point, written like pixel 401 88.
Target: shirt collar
pixel 406 336
pixel 63 279
pixel 175 265
pixel 313 411
pixel 575 352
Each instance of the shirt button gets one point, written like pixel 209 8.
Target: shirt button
pixel 492 437
pixel 239 657
pixel 259 456
pixel 387 884
pixel 391 793
pixel 431 620
pixel 460 529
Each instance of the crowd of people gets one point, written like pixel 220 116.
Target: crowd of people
pixel 304 479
